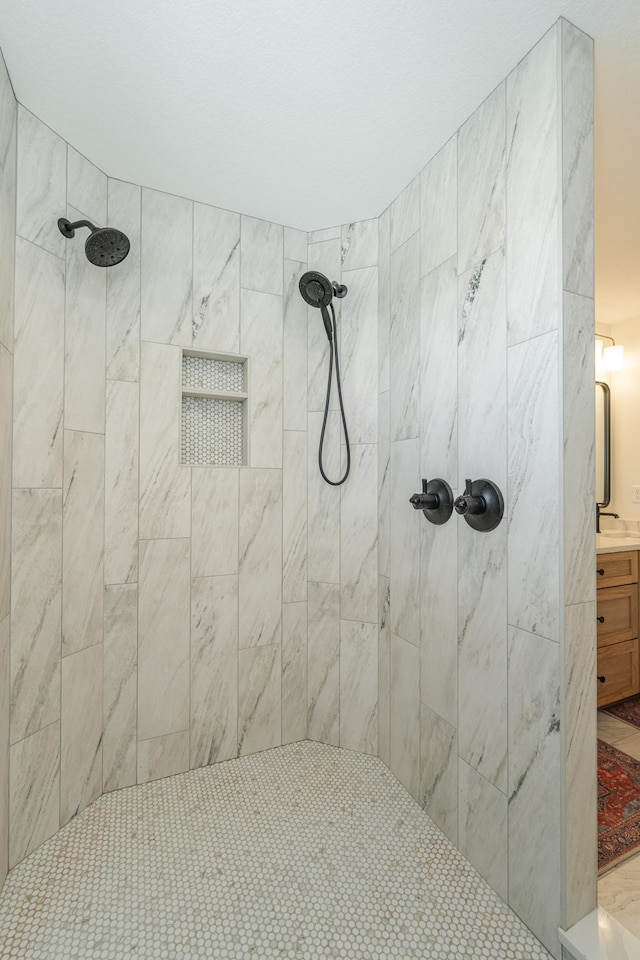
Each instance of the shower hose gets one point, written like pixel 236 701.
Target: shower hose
pixel 333 349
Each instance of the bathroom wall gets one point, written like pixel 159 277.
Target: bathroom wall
pixel 486 302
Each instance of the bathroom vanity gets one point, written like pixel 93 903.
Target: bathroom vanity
pixel 617 613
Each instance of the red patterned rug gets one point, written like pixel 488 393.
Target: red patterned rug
pixel 618 806
pixel 628 710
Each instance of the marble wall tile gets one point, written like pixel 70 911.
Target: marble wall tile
pixel 359 686
pixel 84 340
pixel 120 687
pixel 326 233
pixel 384 298
pixel 82 541
pixel 8 182
pixel 384 669
pixel 166 268
pixel 81 731
pixel 324 258
pixel 294 517
pixel 36 601
pixel 439 771
pixel 42 183
pixel 214 521
pixel 532 494
pixel 481 181
pixel 534 783
pixel 259 699
pixel 86 187
pixel 438 379
pixel 294 672
pixel 359 356
pixel 6 402
pixel 163 638
pixel 123 285
pixel 360 244
pixel 38 368
pixel 404 704
pixel 295 244
pixel 121 482
pixel 165 485
pixel 323 697
pixel 438 208
pixel 439 618
pixel 214 670
pixel 577 160
pixel 163 756
pixel 295 348
pixel 260 558
pixel 405 214
pixel 324 501
pixel 359 536
pixel 405 541
pixel 482 814
pixel 579 449
pixel 404 355
pixel 384 482
pixel 34 791
pixel 5 698
pixel 261 340
pixel 262 252
pixel 533 183
pixel 216 279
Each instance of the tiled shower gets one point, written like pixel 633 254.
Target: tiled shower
pixel 158 616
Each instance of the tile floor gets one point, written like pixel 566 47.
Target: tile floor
pixel 302 851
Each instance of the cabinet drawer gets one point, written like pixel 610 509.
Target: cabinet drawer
pixel 618 608
pixel 616 569
pixel 619 664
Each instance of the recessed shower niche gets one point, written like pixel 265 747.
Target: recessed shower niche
pixel 214 409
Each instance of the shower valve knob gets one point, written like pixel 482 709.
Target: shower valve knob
pixel 481 504
pixel 435 501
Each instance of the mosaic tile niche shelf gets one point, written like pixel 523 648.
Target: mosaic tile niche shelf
pixel 214 409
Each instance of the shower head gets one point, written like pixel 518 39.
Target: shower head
pixel 317 291
pixel 104 247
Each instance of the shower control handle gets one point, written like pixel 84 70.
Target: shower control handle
pixel 468 503
pixel 435 501
pixel 481 504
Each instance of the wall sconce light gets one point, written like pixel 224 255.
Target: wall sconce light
pixel 611 357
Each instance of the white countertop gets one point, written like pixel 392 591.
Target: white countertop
pixel 608 544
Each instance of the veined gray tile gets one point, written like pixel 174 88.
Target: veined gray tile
pixel 360 244
pixel 323 700
pixel 326 233
pixel 8 183
pixel 6 395
pixel 214 670
pixel 214 521
pixel 38 368
pixel 359 356
pixel 534 517
pixel 404 700
pixel 121 482
pixel 482 827
pixel 533 185
pixel 294 517
pixel 82 541
pixel 120 689
pixel 404 354
pixel 439 200
pixel 359 536
pixel 81 731
pixel 405 214
pixel 323 258
pixel 438 373
pixel 42 183
pixel 439 617
pixel 534 783
pixel 324 501
pixel 216 279
pixel 261 339
pixel 165 485
pixel 36 600
pixel 259 700
pixel 439 771
pixel 260 558
pixel 5 698
pixel 481 181
pixel 384 298
pixel 359 686
pixel 163 638
pixel 294 672
pixel 295 244
pixel 295 349
pixel 166 268
pixel 86 188
pixel 163 756
pixel 384 669
pixel 123 285
pixel 262 253
pixel 384 479
pixel 405 541
pixel 34 797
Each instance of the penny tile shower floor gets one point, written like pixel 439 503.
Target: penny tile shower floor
pixel 302 851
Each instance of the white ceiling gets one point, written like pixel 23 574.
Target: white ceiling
pixel 314 112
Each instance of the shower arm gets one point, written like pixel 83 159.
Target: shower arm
pixel 68 229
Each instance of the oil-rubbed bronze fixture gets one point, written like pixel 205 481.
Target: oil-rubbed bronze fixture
pixel 435 501
pixel 481 504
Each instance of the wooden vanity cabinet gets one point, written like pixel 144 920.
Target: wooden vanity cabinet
pixel 617 612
